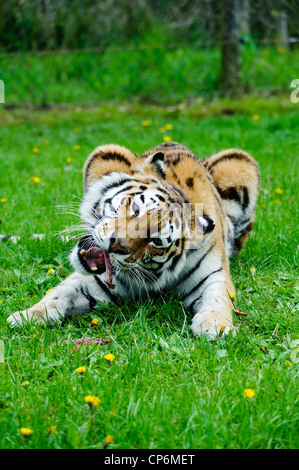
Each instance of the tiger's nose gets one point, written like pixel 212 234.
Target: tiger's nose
pixel 117 246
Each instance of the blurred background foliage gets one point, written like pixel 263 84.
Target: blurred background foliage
pixel 154 51
pixel 28 25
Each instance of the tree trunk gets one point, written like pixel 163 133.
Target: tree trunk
pixel 231 59
pixel 245 18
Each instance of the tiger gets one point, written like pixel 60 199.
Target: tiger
pixel 165 221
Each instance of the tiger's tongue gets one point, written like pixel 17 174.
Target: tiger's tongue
pixel 99 260
pixel 95 258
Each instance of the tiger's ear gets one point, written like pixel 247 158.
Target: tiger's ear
pixel 107 159
pixel 155 163
pixel 203 225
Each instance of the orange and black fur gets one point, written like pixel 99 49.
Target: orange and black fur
pixel 135 244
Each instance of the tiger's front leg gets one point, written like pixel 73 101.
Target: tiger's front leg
pixel 76 295
pixel 210 300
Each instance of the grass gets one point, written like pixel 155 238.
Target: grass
pixel 153 76
pixel 164 389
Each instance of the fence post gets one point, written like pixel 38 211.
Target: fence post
pixel 282 29
pixel 230 50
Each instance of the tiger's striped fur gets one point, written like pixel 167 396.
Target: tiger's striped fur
pixel 121 188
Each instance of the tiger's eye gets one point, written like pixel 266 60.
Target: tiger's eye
pixel 157 241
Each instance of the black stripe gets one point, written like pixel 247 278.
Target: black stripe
pixel 106 289
pixel 229 193
pixel 177 190
pixel 237 223
pixel 164 191
pixel 115 185
pixel 228 157
pixel 116 156
pixel 92 301
pixel 245 200
pixel 127 188
pixel 200 283
pixel 191 271
pixel 175 261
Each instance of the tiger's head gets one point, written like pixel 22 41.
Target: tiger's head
pixel 138 223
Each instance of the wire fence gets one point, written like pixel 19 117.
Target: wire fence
pixel 145 47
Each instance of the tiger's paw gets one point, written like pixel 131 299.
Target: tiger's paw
pixel 211 324
pixel 25 317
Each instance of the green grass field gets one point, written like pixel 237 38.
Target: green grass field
pixel 159 76
pixel 164 388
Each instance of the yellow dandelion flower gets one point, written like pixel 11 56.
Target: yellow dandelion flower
pixel 81 370
pixel 35 150
pixel 255 117
pixel 60 266
pixel 76 130
pixel 92 401
pixel 281 50
pixel 26 432
pixel 249 393
pixel 25 383
pixel 169 127
pixel 52 429
pixel 232 295
pixel 77 147
pixel 51 271
pixel 166 138
pixel 253 271
pixel 221 331
pixel 109 357
pixel 262 348
pixel 108 439
pixel 35 179
pixel 46 142
pixel 279 190
pixel 162 129
pixel 263 206
pixel 95 321
pixel 4 200
pixel 288 363
pixel 145 123
pixel 68 160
